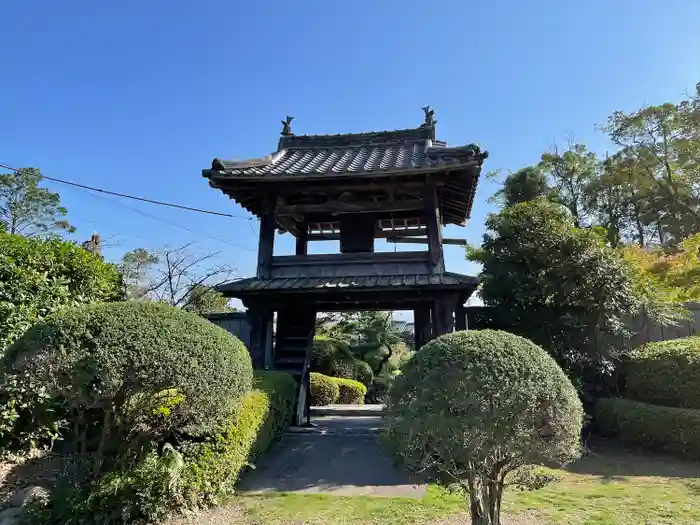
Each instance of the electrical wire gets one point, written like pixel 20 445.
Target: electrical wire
pixel 166 221
pixel 126 196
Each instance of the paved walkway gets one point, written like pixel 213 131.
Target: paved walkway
pixel 340 456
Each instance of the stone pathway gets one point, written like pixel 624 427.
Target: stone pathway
pixel 341 455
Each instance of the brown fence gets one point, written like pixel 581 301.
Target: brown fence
pixel 646 331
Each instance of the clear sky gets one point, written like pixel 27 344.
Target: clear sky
pixel 138 97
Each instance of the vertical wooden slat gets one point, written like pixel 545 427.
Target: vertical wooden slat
pixel 303 239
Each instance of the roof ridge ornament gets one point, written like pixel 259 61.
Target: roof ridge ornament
pixel 287 127
pixel 429 118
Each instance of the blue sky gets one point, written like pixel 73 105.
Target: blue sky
pixel 138 97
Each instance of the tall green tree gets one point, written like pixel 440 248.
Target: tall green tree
pixel 558 285
pixel 205 300
pixel 26 208
pixel 523 185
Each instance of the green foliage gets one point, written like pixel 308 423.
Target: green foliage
pixel 495 402
pixel 666 373
pixel 205 300
pixel 668 429
pixel 131 374
pixel 363 373
pixel 28 415
pixel 558 285
pixel 378 391
pixel 523 185
pixel 332 357
pixel 26 209
pixel 351 392
pixel 40 276
pixel 323 389
pixel 212 467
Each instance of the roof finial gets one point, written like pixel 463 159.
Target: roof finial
pixel 429 117
pixel 287 127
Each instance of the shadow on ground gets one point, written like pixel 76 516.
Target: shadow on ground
pixel 615 463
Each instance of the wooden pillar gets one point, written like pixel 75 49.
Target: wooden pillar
pixel 444 310
pixel 266 242
pixel 260 320
pixel 303 239
pixel 434 227
pixel 460 316
pixel 422 327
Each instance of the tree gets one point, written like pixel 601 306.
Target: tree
pixel 665 142
pixel 204 300
pixel 176 276
pixel 559 285
pixel 572 173
pixel 26 209
pixel 524 185
pixel 475 409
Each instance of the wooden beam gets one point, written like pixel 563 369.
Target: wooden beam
pixel 424 240
pixel 432 222
pixel 266 241
pixel 302 243
pixel 379 234
pixel 350 207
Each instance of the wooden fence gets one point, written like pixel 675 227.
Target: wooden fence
pixel 646 331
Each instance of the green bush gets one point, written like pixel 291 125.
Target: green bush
pixel 666 373
pixel 212 467
pixel 332 357
pixel 39 276
pixel 668 429
pixel 132 374
pixel 363 373
pixel 470 407
pixel 351 392
pixel 378 391
pixel 323 389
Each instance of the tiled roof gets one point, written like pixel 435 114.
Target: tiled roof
pixel 367 283
pixel 386 151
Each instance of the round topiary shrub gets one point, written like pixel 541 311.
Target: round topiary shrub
pixel 363 373
pixel 132 374
pixel 351 392
pixel 323 389
pixel 471 407
pixel 332 357
pixel 666 373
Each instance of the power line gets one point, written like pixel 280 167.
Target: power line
pixel 166 221
pixel 142 199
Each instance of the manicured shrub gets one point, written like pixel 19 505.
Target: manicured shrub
pixel 324 390
pixel 363 373
pixel 39 276
pixel 132 374
pixel 378 391
pixel 667 429
pixel 666 373
pixel 351 392
pixel 213 467
pixel 470 407
pixel 332 357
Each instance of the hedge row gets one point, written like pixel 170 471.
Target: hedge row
pixel 668 429
pixel 326 390
pixel 334 358
pixel 666 373
pixel 213 467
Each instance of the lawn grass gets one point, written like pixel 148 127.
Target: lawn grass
pixel 609 487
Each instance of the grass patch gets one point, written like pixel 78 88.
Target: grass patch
pixel 610 487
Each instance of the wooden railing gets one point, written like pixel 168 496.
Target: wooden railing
pixel 351 264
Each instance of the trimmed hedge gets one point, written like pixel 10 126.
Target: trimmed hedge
pixel 213 467
pixel 137 373
pixel 323 389
pixel 668 429
pixel 363 372
pixel 351 392
pixel 666 373
pixel 332 357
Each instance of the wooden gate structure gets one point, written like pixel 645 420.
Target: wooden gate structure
pixel 402 185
